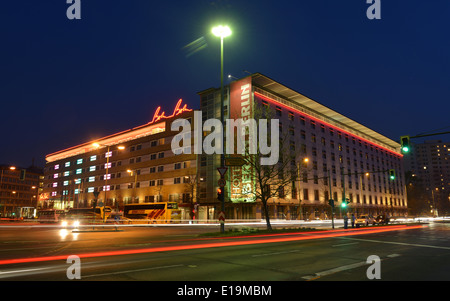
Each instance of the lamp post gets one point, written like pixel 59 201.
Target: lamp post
pixel 131 172
pixel 222 32
pixel 305 162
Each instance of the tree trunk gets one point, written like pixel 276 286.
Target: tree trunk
pixel 266 213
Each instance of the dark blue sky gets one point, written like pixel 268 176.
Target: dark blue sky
pixel 65 82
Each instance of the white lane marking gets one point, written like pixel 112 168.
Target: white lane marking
pixel 398 243
pixel 275 253
pixel 133 271
pixel 335 270
pixel 342 268
pixel 350 243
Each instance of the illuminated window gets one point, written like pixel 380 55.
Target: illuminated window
pixel 66 173
pixel 55 176
pixel 91 189
pixel 53 193
pixel 77 181
pixel 79 161
pixel 108 154
pixel 66 183
pixel 106 188
pixel 107 165
pixel 57 166
pixel 77 191
pixel 78 171
pixel 107 176
pixel 67 164
pixel 91 179
pixel 55 184
pixel 65 192
pixel 94 157
pixel 92 168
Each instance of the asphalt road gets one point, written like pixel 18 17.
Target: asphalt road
pixel 180 254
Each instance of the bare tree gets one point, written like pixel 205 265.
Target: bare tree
pixel 271 181
pixel 192 187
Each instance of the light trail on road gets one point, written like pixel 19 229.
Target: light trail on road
pixel 256 239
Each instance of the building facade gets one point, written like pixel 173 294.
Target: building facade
pixel 429 163
pixel 132 166
pixel 19 191
pixel 329 149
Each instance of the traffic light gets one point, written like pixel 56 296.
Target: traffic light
pixel 405 144
pixel 331 202
pixel 345 203
pixel 392 174
pixel 219 194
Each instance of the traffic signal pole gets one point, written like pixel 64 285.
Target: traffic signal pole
pixel 331 200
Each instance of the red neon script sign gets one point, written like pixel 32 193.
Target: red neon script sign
pixel 178 110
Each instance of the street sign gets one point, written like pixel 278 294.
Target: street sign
pixel 221 216
pixel 234 161
pixel 221 182
pixel 222 170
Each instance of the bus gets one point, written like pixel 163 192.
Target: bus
pixel 161 213
pixel 75 216
pixel 50 215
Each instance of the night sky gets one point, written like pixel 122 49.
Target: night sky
pixel 66 82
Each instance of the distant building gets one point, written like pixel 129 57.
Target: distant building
pixel 330 141
pixel 19 190
pixel 132 166
pixel 429 162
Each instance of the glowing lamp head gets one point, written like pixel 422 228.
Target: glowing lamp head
pixel 221 31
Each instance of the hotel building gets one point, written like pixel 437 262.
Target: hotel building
pixel 132 166
pixel 357 158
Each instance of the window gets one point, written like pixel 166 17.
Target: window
pixel 67 164
pixel 66 173
pixel 92 168
pixel 79 171
pixel 93 158
pixel 91 189
pixel 57 166
pixel 80 161
pixel 176 180
pixel 91 179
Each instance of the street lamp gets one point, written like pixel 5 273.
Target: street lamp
pixel 222 32
pixel 305 162
pixel 131 172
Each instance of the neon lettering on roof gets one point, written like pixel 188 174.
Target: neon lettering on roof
pixel 178 110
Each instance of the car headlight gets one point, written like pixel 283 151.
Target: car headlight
pixel 76 224
pixel 64 223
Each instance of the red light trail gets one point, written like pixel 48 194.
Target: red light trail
pixel 258 239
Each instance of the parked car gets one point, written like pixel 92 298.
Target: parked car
pixel 381 219
pixel 364 220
